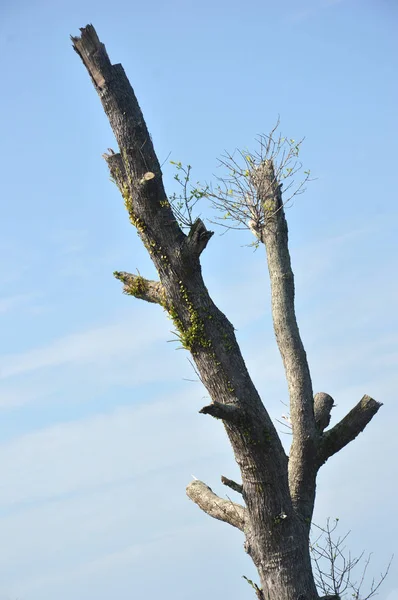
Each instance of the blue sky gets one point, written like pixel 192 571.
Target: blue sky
pixel 99 430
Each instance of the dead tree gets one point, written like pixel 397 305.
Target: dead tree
pixel 278 491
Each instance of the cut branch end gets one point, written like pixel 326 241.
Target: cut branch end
pixel 227 412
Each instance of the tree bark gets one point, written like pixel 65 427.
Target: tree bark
pixel 278 492
pixel 274 234
pixel 348 428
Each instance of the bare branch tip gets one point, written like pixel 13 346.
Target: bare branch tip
pixel 237 487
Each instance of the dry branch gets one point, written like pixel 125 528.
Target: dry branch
pixel 237 487
pixel 139 287
pixel 216 507
pixel 348 428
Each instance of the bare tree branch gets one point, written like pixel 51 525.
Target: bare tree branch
pixel 139 287
pixel 216 507
pixel 348 428
pixel 237 487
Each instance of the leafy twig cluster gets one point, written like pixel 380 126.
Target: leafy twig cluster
pixel 237 197
pixel 184 203
pixel 240 197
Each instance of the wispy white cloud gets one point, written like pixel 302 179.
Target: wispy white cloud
pixel 77 498
pixel 85 347
pixel 155 548
pixel 129 351
pixel 104 493
pixel 103 449
pixel 126 565
pixel 26 390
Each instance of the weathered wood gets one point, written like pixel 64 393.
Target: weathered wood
pixel 348 428
pixel 237 487
pixel 216 507
pixel 279 493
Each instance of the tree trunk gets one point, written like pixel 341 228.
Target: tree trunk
pixel 282 558
pixel 278 492
pixel 277 543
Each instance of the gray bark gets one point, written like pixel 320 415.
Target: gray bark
pixel 274 234
pixel 278 492
pixel 237 487
pixel 323 404
pixel 348 428
pixel 216 507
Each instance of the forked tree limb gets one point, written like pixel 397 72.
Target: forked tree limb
pixel 348 428
pixel 198 236
pixel 216 507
